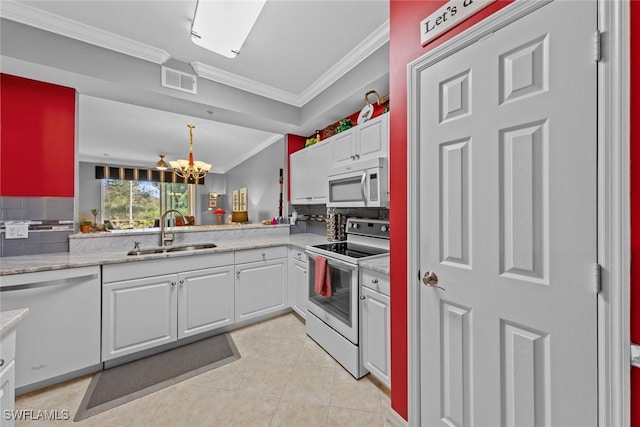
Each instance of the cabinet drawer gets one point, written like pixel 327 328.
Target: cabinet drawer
pixel 297 253
pixel 170 265
pixel 7 349
pixel 261 254
pixel 376 281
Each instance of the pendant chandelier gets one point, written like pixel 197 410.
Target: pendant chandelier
pixel 190 169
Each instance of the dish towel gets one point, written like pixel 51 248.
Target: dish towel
pixel 323 277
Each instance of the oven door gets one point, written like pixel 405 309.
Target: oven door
pixel 340 310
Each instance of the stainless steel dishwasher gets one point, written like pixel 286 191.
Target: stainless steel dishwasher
pixel 61 336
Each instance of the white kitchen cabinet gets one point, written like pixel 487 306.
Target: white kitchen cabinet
pixel 138 314
pixel 7 377
pixel 375 323
pixel 205 300
pixel 309 168
pixel 298 284
pixel 367 140
pixel 261 282
pixel 184 298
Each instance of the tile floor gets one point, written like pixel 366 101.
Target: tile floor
pixel 282 379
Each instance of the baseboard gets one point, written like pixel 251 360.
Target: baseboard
pixel 395 419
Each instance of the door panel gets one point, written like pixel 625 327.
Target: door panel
pixel 506 130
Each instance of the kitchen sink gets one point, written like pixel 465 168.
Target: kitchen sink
pixel 170 249
pixel 191 247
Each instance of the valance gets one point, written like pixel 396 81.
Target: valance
pixel 136 174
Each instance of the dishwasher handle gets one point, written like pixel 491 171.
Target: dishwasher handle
pixel 46 283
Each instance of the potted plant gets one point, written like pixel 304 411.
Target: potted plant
pixel 85 224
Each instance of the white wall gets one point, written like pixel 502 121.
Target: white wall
pixel 260 174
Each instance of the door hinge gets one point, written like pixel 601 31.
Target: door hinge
pixel 597 46
pixel 597 278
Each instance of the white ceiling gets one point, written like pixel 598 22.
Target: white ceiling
pixel 296 50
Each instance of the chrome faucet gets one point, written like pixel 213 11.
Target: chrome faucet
pixel 163 220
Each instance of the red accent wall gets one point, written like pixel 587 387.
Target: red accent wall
pixel 404 48
pixel 37 138
pixel 635 205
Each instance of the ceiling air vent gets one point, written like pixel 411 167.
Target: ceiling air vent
pixel 175 79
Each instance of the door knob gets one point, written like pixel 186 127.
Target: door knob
pixel 431 279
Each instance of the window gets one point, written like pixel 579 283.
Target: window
pixel 137 204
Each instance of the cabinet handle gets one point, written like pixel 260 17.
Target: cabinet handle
pixel 299 254
pixel 238 273
pixel 264 254
pixel 374 281
pixel 357 156
pixel 182 281
pixel 1 363
pixel 363 297
pixel 173 283
pixel 353 157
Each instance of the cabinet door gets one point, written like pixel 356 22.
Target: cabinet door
pixel 138 314
pixel 298 282
pixel 205 300
pixel 342 148
pixel 373 138
pixel 7 392
pixel 317 170
pixel 298 163
pixel 261 288
pixel 375 324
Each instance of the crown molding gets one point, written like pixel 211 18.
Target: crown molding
pixel 28 15
pixel 221 76
pixel 363 50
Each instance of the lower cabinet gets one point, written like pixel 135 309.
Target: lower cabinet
pixel 298 283
pixel 145 312
pixel 375 322
pixel 260 288
pixel 205 300
pixel 7 377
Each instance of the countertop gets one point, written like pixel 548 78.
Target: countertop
pixel 9 319
pixel 381 264
pixel 61 260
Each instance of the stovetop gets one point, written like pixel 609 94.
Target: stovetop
pixel 352 250
pixel 365 238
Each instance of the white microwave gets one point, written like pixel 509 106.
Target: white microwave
pixel 361 184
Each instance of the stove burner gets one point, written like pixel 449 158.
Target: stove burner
pixel 351 249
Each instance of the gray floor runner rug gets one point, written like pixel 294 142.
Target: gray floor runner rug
pixel 121 384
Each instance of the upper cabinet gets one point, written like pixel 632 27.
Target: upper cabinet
pixel 38 128
pixel 367 140
pixel 309 167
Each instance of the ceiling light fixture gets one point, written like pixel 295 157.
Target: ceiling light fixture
pixel 222 26
pixel 162 165
pixel 190 169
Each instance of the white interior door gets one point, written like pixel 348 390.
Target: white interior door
pixel 506 130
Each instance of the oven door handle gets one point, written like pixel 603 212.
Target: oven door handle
pixel 362 190
pixel 330 260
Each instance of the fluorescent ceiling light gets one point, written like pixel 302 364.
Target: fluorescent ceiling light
pixel 222 26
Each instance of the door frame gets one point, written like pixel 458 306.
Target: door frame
pixel 612 192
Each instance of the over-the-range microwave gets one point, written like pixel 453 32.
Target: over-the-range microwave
pixel 361 184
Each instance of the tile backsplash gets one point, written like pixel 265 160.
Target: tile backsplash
pixel 50 222
pixel 320 227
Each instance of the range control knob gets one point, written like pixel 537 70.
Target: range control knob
pixel 384 228
pixel 354 225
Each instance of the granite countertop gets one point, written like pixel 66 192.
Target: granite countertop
pixel 61 260
pixel 380 264
pixel 9 319
pixel 180 229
